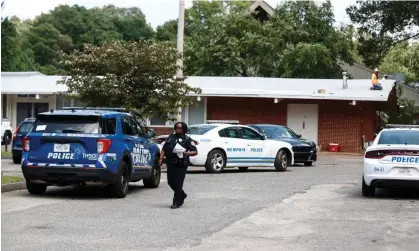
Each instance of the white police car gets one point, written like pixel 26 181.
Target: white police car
pixel 222 145
pixel 392 160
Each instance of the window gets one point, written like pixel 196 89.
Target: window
pixel 127 127
pixel 158 121
pixel 25 127
pixel 229 133
pixel 276 132
pixel 109 126
pixel 67 124
pixel 200 130
pixel 248 133
pixel 402 137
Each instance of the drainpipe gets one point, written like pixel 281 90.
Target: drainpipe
pixel 345 80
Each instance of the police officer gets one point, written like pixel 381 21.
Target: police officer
pixel 177 166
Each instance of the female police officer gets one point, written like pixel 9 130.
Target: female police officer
pixel 177 166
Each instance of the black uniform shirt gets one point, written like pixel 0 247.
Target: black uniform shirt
pixel 170 144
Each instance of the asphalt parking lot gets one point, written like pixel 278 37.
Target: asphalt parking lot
pixel 306 208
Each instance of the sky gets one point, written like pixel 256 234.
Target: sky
pixel 157 12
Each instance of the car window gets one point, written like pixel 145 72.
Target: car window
pixel 248 133
pixel 66 124
pixel 274 132
pixel 26 127
pixel 109 126
pixel 139 130
pixel 230 132
pixel 127 127
pixel 400 137
pixel 201 129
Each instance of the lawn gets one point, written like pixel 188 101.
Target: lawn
pixel 6 154
pixel 10 179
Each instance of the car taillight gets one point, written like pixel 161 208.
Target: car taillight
pixel 26 144
pixel 103 145
pixel 378 154
pixel 15 133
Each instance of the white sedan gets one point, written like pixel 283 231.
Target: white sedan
pixel 228 145
pixel 392 160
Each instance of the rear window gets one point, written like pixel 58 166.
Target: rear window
pixel 67 124
pixel 25 127
pixel 400 137
pixel 200 130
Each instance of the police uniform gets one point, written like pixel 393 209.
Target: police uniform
pixel 177 167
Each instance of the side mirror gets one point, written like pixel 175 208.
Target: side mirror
pixel 369 143
pixel 263 136
pixel 150 134
pixel 298 135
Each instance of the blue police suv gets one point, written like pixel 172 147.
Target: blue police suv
pixel 77 146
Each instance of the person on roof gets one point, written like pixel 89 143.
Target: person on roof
pixel 374 79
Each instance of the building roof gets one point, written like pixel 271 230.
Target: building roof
pixel 262 4
pixel 30 83
pixel 290 88
pixel 231 87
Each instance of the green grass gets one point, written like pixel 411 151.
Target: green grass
pixel 6 154
pixel 10 179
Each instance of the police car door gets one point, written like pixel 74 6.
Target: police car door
pixel 256 152
pixel 141 157
pixel 232 144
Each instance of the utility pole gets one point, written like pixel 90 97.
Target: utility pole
pixel 180 31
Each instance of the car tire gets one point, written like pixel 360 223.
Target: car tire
pixel 154 180
pixel 36 189
pixel 216 161
pixel 367 191
pixel 281 161
pixel 308 163
pixel 119 189
pixel 17 159
pixel 243 169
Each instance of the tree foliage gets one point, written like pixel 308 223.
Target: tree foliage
pixel 383 24
pixel 136 75
pixel 403 58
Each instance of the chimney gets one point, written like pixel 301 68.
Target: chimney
pixel 345 80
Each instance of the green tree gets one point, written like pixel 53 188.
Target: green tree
pixel 403 58
pixel 406 113
pixel 383 24
pixel 136 75
pixel 9 46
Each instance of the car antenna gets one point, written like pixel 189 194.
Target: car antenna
pixel 88 103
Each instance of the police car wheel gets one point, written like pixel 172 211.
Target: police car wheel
pixel 17 159
pixel 154 180
pixel 120 188
pixel 367 191
pixel 35 188
pixel 243 169
pixel 216 162
pixel 281 161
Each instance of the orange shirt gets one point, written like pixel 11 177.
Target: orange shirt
pixel 374 79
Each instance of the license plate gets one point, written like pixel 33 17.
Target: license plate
pixel 404 171
pixel 62 148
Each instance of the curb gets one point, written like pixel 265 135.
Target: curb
pixel 339 154
pixel 13 187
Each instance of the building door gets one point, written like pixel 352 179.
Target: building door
pixel 304 119
pixel 29 110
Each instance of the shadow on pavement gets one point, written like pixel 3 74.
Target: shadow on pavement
pixel 83 193
pixel 389 194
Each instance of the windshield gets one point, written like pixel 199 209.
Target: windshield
pixel 399 137
pixel 274 132
pixel 201 129
pixel 67 124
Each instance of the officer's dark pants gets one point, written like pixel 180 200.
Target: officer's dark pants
pixel 176 173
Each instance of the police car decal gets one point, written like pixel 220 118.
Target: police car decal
pixel 140 156
pixel 405 159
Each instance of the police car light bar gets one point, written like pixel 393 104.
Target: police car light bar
pixel 401 126
pixel 234 122
pixel 96 108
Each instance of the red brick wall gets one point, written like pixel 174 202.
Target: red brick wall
pixel 339 122
pixel 163 130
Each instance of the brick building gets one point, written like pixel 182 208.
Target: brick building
pixel 320 109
